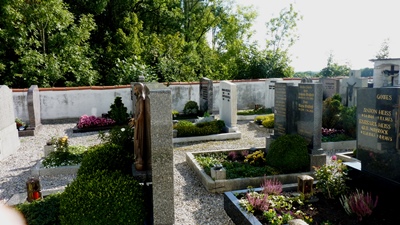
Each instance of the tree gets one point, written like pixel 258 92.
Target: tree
pixel 281 36
pixel 45 46
pixel 383 52
pixel 333 69
pixel 367 72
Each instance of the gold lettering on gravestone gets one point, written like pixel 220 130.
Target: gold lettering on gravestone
pixel 306 99
pixel 376 123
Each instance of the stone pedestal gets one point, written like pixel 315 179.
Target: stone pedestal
pixel 317 160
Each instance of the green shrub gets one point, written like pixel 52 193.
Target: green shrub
pixel 119 135
pixel 103 198
pixel 107 157
pixel 72 156
pixel 289 153
pixel 331 111
pixel 188 129
pixel 42 212
pixel 348 121
pixel 118 112
pixel 191 108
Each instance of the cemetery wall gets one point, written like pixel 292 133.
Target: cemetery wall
pixel 68 104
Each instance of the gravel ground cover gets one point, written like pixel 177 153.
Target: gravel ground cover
pixel 193 203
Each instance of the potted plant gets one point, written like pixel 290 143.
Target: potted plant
pixel 21 125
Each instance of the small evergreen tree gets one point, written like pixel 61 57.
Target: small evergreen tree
pixel 118 112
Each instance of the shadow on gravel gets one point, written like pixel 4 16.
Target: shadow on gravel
pixel 210 206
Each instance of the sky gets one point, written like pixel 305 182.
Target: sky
pixel 351 30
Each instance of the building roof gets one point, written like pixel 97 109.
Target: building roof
pixel 374 60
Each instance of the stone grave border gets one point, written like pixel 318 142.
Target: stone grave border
pixel 220 186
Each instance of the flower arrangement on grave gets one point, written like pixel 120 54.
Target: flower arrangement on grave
pixel 19 123
pixel 86 121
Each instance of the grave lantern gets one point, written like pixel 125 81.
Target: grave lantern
pixel 305 184
pixel 33 189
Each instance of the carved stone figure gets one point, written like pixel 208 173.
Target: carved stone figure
pixel 142 148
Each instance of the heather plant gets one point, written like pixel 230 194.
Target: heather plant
pixel 271 186
pixel 86 121
pixel 256 202
pixel 359 203
pixel 331 178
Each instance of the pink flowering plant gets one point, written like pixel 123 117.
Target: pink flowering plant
pixel 86 121
pixel 359 203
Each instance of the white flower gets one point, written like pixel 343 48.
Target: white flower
pixel 122 129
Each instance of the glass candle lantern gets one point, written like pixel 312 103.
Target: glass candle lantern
pixel 305 184
pixel 33 189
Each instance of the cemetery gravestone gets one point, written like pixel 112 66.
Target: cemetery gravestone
pixel 33 102
pixel 298 110
pixel 206 95
pixel 9 141
pixel 162 176
pixel 309 123
pixel 378 134
pixel 228 108
pixel 281 109
pixel 330 86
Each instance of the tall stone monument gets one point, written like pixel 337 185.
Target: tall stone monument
pixel 161 172
pixel 33 102
pixel 206 95
pixel 309 109
pixel 9 141
pixel 378 136
pixel 228 107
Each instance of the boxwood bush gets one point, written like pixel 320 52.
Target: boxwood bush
pixel 107 156
pixel 289 153
pixel 102 197
pixel 189 129
pixel 42 212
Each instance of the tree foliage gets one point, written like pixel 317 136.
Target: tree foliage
pixel 383 52
pixel 333 69
pixel 43 45
pixel 104 42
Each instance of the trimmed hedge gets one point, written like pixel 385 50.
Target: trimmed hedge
pixel 103 198
pixel 42 212
pixel 289 153
pixel 107 156
pixel 189 129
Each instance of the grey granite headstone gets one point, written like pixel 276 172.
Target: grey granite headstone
pixel 228 107
pixel 33 103
pixel 378 137
pixel 162 153
pixel 281 108
pixel 309 108
pixel 206 95
pixel 9 140
pixel 34 106
pixel 330 86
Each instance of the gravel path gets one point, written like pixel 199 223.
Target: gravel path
pixel 193 203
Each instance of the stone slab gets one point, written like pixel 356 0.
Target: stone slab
pixel 213 137
pixel 39 170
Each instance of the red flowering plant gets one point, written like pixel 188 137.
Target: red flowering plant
pixel 86 121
